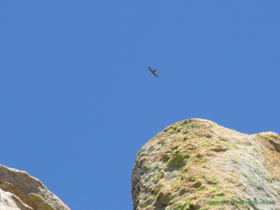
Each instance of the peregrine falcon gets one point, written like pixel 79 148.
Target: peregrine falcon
pixel 153 71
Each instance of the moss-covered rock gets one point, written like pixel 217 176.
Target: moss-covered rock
pixel 194 161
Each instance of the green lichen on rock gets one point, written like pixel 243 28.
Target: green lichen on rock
pixel 36 202
pixel 213 181
pixel 183 205
pixel 32 200
pixel 177 160
pixel 147 202
pixel 182 191
pixel 165 158
pixel 197 184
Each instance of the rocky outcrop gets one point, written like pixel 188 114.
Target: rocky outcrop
pixel 20 191
pixel 197 164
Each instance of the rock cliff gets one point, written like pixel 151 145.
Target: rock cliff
pixel 197 164
pixel 20 191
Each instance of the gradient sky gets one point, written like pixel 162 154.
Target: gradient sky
pixel 77 101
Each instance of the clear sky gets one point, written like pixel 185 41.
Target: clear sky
pixel 77 101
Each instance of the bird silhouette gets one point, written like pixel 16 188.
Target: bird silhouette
pixel 153 71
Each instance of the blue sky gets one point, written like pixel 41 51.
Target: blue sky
pixel 77 101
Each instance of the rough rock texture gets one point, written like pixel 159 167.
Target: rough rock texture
pixel 197 164
pixel 20 191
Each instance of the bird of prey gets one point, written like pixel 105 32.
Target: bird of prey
pixel 153 71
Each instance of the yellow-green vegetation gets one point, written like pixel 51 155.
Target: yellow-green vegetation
pixel 147 202
pixel 32 200
pixel 36 202
pixel 270 179
pixel 164 197
pixel 271 138
pixel 161 184
pixel 213 181
pixel 192 178
pixel 217 195
pixel 173 148
pixel 177 160
pixel 197 184
pixel 223 138
pixel 176 184
pixel 186 125
pixel 143 160
pixel 165 158
pixel 139 152
pixel 183 205
pixel 182 191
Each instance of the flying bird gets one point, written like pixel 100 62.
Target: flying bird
pixel 153 71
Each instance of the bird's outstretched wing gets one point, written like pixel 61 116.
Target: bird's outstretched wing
pixel 153 71
pixel 155 74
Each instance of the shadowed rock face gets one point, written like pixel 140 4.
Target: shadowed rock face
pixel 197 164
pixel 20 191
